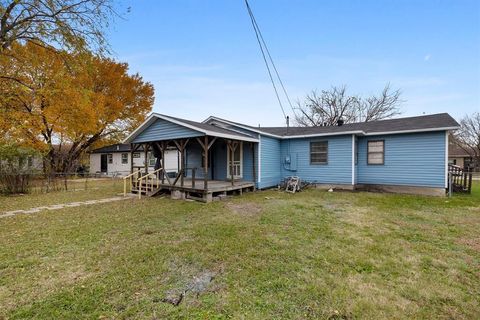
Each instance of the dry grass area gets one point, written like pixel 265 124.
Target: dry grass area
pixel 264 255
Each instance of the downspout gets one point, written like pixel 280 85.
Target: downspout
pixel 446 159
pixel 353 159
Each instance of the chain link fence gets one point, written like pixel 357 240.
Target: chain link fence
pixel 34 183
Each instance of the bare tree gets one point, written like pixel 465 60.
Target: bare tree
pixel 468 136
pixel 70 24
pixel 326 108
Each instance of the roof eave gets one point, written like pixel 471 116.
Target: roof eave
pixel 259 131
pixel 154 116
pixel 314 135
pixel 412 131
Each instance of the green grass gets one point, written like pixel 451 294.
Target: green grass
pixel 77 191
pixel 310 255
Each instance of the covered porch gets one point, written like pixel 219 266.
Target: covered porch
pixel 212 161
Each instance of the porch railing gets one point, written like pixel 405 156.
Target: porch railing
pixel 148 181
pixel 131 178
pixel 459 179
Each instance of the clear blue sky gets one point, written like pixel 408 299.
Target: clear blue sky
pixel 203 59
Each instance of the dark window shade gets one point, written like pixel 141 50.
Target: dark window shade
pixel 319 152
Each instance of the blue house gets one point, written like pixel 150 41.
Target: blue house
pixel 218 156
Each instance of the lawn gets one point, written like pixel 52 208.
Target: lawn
pixel 272 255
pixel 78 190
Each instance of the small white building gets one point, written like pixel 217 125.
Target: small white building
pixel 116 159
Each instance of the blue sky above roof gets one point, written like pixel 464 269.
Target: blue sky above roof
pixel 203 58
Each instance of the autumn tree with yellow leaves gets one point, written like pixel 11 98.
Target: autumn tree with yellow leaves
pixel 63 108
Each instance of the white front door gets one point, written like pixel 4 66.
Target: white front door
pixel 237 165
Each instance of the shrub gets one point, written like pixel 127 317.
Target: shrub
pixel 15 168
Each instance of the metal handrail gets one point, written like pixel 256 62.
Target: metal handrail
pixel 130 176
pixel 146 186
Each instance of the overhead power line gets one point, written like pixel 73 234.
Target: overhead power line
pixel 264 48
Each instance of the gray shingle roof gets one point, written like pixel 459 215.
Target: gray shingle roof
pixel 440 120
pixel 209 127
pixel 117 147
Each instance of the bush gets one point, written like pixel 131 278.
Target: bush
pixel 15 168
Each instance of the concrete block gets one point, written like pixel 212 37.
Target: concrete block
pixel 177 195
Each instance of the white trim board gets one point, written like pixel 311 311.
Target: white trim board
pixel 353 159
pixel 446 159
pixel 155 116
pixel 357 132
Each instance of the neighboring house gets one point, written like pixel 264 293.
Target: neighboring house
pixel 400 155
pixel 116 159
pixel 459 157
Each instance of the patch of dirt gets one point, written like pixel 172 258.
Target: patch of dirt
pixel 332 206
pixel 336 315
pixel 472 243
pixel 244 208
pixel 199 284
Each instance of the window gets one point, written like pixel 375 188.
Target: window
pixel 319 152
pixel 124 158
pixel 151 160
pixel 376 152
pixel 136 154
pixel 110 158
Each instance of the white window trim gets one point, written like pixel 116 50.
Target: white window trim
pixel 318 163
pixel 121 158
pixel 241 163
pixel 369 152
pixel 150 157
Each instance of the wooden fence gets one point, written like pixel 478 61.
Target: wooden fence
pixel 459 179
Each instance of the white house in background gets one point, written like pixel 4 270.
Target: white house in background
pixel 116 159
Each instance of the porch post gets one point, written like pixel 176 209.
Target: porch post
pixel 145 148
pixel 182 162
pixel 253 166
pixel 131 158
pixel 162 150
pixel 181 146
pixel 205 163
pixel 231 153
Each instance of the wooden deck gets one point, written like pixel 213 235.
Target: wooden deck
pixel 213 185
pixel 197 190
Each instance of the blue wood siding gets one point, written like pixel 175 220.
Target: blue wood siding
pixel 193 159
pixel 165 130
pixel 247 162
pixel 416 159
pixel 338 170
pixel 219 152
pixel 270 171
pixel 218 159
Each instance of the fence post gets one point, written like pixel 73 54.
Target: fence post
pixel 470 177
pixel 450 184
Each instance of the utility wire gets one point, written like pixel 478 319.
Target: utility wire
pixel 252 19
pixel 259 36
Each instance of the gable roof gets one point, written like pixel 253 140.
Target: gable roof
pixel 211 127
pixel 455 150
pixel 434 122
pixel 117 147
pixel 204 128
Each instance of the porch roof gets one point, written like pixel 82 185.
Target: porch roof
pixel 194 128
